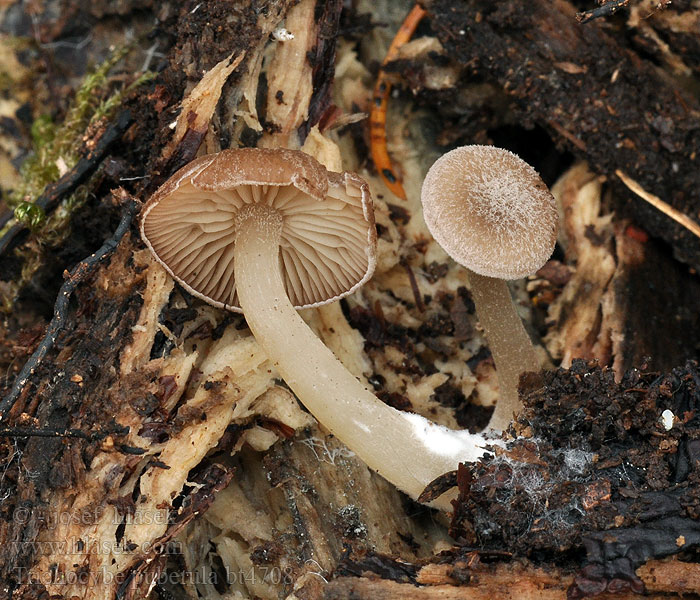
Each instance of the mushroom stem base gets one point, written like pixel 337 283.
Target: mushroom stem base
pixel 406 449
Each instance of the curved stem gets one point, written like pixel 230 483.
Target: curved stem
pixel 406 449
pixel 510 345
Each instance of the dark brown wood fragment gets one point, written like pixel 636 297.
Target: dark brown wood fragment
pixel 595 96
pixel 499 584
pixel 670 35
pixel 657 305
pixel 81 271
pixel 386 567
pixel 48 464
pixel 322 60
pixel 602 471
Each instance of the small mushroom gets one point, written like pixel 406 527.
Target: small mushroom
pixel 492 213
pixel 266 231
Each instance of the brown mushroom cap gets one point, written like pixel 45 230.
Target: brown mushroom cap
pixel 490 211
pixel 328 243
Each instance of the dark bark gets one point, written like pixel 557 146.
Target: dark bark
pixel 592 94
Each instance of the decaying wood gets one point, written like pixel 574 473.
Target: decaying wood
pixel 606 306
pixel 567 486
pixel 514 582
pixel 592 94
pixel 671 36
pixel 199 105
pixel 181 402
pixel 81 271
pixel 224 486
pixel 587 238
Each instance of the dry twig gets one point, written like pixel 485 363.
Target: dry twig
pixel 679 217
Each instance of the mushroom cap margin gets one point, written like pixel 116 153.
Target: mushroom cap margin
pixel 275 169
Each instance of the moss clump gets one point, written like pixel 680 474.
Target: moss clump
pixel 57 149
pixel 57 146
pixel 30 214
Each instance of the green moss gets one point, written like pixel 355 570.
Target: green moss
pixel 59 144
pixel 57 150
pixel 30 214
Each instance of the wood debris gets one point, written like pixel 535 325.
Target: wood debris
pixel 224 486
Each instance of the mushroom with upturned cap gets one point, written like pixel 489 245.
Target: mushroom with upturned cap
pixel 493 214
pixel 263 231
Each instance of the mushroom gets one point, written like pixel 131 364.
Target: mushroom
pixel 266 231
pixel 491 212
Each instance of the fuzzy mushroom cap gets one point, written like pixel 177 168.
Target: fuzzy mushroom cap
pixel 490 211
pixel 328 241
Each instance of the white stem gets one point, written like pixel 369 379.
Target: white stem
pixel 406 449
pixel 510 345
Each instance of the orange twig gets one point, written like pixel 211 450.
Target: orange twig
pixel 380 98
